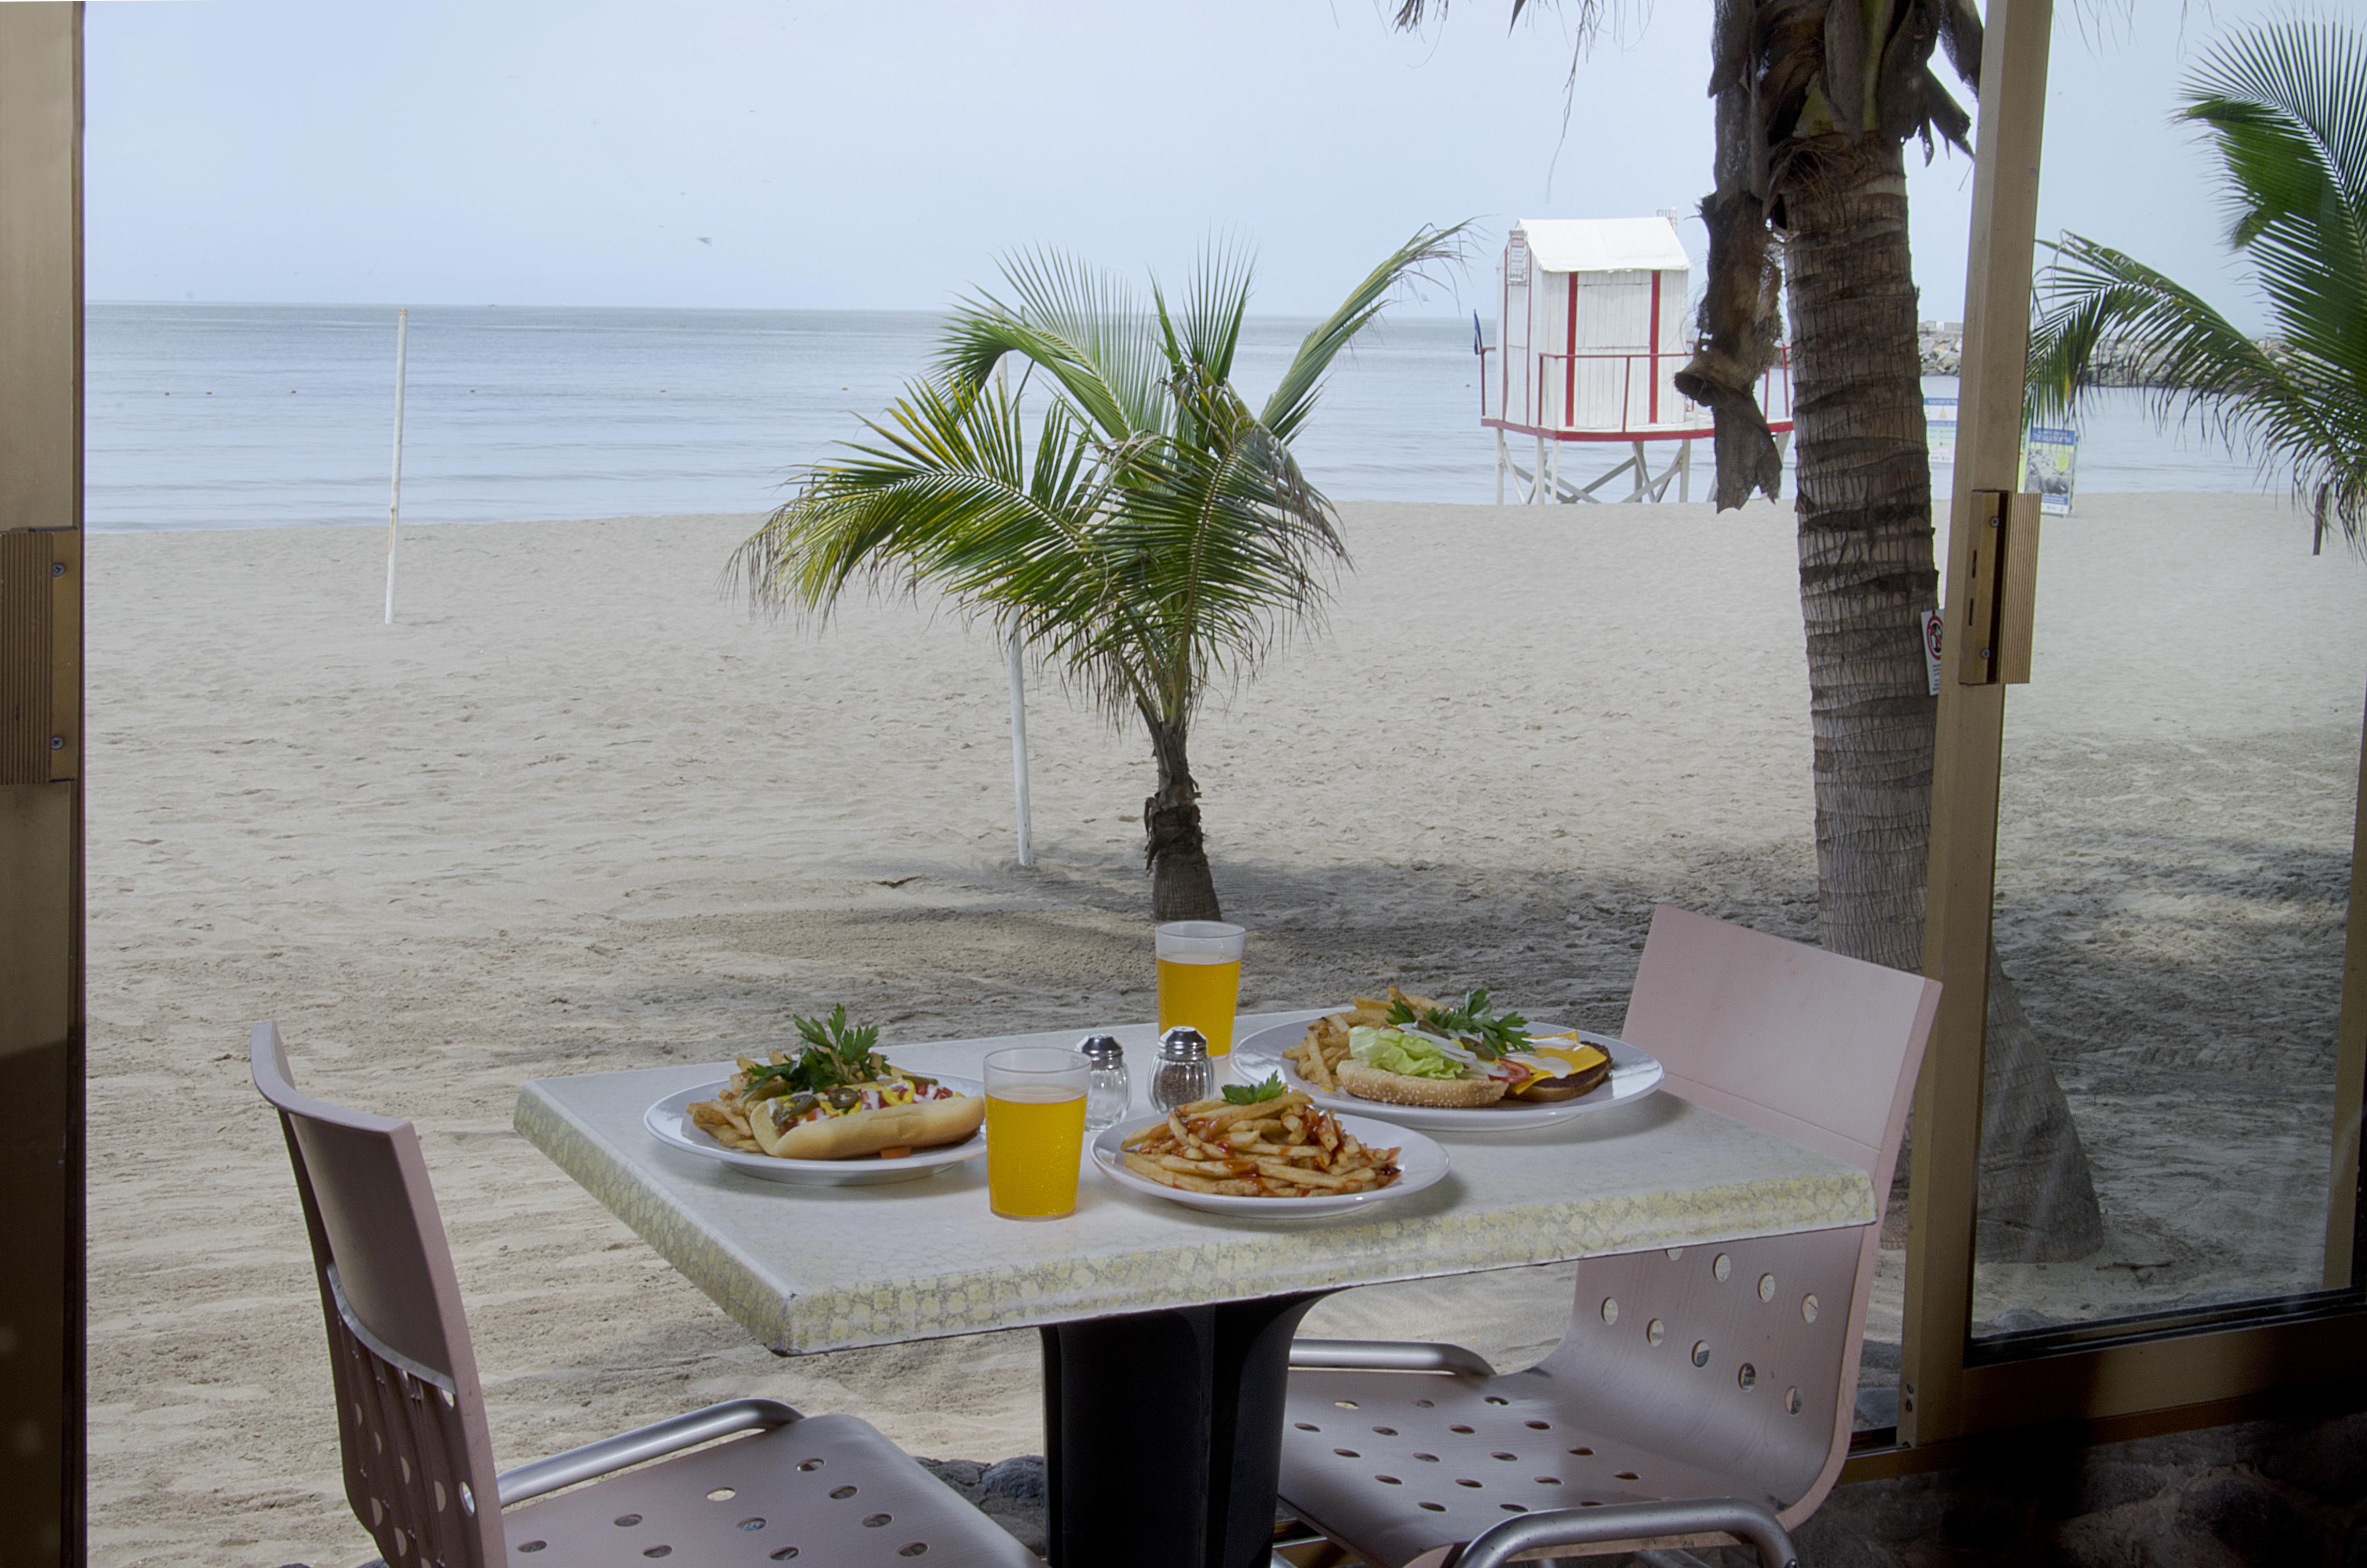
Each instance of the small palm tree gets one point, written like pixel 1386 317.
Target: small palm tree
pixel 1151 536
pixel 2286 108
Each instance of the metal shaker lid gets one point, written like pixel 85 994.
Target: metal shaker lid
pixel 1101 1048
pixel 1182 1043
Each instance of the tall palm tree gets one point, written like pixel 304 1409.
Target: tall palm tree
pixel 2285 106
pixel 1151 536
pixel 1815 102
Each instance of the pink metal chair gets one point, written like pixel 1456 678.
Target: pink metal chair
pixel 826 1489
pixel 1701 1394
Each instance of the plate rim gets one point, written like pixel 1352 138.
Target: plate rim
pixel 944 1155
pixel 1530 1118
pixel 1343 1203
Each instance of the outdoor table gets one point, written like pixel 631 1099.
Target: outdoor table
pixel 1166 1331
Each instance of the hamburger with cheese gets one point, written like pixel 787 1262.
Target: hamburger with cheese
pixel 1466 1057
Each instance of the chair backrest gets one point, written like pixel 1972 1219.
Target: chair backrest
pixel 411 1421
pixel 1742 1358
pixel 1820 1048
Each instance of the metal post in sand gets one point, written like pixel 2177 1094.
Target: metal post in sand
pixel 1019 749
pixel 1018 693
pixel 394 496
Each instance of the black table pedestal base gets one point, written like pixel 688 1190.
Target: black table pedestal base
pixel 1163 1434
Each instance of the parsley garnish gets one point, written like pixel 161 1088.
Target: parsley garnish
pixel 1475 1026
pixel 834 1054
pixel 1249 1094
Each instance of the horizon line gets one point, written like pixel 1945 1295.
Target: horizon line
pixel 768 310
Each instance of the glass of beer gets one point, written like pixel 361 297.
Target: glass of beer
pixel 1034 1130
pixel 1200 978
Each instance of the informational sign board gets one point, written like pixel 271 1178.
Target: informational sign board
pixel 1940 428
pixel 2048 460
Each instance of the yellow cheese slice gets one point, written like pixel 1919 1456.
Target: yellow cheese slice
pixel 1579 1059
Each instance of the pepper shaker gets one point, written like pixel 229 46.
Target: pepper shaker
pixel 1184 1073
pixel 1108 1091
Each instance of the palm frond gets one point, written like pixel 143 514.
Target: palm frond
pixel 2286 106
pixel 1081 325
pixel 1215 301
pixel 1224 548
pixel 952 495
pixel 2294 412
pixel 1287 411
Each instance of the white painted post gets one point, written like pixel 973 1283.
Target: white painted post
pixel 1018 698
pixel 1504 458
pixel 1019 751
pixel 394 496
pixel 1686 473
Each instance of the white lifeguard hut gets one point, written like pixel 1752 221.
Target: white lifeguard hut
pixel 1594 322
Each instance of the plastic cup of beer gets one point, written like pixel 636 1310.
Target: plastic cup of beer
pixel 1200 978
pixel 1034 1130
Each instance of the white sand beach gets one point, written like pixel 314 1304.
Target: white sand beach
pixel 577 812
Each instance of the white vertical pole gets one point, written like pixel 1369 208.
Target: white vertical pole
pixel 1019 802
pixel 1019 751
pixel 394 496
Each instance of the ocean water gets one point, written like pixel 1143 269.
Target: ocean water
pixel 217 416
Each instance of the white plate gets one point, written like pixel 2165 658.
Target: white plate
pixel 1635 1072
pixel 669 1122
pixel 1421 1163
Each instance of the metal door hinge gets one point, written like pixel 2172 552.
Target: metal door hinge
pixel 1992 635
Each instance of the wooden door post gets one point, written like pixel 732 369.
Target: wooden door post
pixel 1942 1193
pixel 42 1016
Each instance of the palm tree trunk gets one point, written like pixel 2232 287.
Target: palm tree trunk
pixel 1180 885
pixel 1866 572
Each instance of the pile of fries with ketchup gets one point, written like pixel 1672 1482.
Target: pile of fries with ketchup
pixel 1277 1144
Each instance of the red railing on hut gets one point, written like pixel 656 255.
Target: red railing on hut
pixel 1641 382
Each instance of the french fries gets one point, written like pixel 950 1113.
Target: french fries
pixel 1284 1147
pixel 723 1120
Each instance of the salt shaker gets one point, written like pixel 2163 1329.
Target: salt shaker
pixel 1108 1091
pixel 1184 1073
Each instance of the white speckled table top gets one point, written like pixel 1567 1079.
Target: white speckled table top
pixel 808 1268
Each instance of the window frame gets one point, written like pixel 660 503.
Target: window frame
pixel 2161 1371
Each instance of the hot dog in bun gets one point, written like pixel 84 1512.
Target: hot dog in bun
pixel 837 1098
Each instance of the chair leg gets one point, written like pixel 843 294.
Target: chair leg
pixel 1632 1521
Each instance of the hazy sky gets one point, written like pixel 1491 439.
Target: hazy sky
pixel 765 152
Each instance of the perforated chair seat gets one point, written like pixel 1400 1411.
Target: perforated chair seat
pixel 1693 1373
pixel 828 1491
pixel 1436 1459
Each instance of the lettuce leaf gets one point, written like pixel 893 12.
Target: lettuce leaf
pixel 1395 1050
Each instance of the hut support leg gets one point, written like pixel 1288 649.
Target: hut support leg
pixel 1537 477
pixel 1686 473
pixel 1503 461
